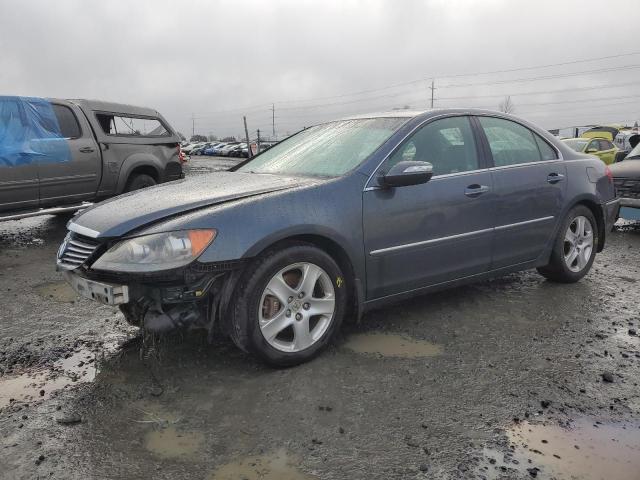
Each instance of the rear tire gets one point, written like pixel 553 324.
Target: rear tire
pixel 275 319
pixel 136 182
pixel 574 249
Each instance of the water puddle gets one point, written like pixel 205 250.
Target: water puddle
pixel 58 291
pixel 392 345
pixel 172 443
pixel 79 367
pixel 278 465
pixel 586 451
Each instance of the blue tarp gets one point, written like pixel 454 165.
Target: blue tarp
pixel 30 133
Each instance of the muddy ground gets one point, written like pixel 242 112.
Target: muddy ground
pixel 511 378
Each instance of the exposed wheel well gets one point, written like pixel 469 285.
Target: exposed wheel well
pixel 597 213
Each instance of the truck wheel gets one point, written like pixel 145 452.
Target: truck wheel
pixel 288 305
pixel 136 182
pixel 574 249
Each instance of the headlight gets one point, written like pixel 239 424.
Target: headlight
pixel 158 251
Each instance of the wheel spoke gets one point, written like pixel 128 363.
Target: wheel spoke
pixel 310 275
pixel 571 256
pixel 569 236
pixel 279 289
pixel 274 326
pixel 301 334
pixel 321 306
pixel 580 227
pixel 583 258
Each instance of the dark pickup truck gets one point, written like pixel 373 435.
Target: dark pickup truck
pixel 58 155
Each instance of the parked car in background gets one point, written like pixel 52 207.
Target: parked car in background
pixel 625 140
pixel 187 150
pixel 212 148
pixel 600 147
pixel 269 253
pixel 626 176
pixel 224 151
pixel 240 150
pixel 56 154
pixel 201 148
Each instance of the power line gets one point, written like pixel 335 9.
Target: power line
pixel 458 75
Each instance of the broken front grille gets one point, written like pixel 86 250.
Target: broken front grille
pixel 627 187
pixel 75 250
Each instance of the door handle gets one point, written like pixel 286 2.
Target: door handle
pixel 475 190
pixel 86 150
pixel 555 178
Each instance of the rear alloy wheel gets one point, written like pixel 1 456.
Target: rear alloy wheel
pixel 288 305
pixel 578 244
pixel 575 247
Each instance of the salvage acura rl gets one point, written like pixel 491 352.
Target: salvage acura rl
pixel 340 218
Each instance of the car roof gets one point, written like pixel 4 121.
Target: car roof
pixel 428 113
pixel 101 106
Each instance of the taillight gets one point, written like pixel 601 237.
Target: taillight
pixel 607 172
pixel 181 157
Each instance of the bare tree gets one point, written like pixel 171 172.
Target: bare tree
pixel 507 106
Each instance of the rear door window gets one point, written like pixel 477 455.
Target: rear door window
pixel 510 142
pixel 131 126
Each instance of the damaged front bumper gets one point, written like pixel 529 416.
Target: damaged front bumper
pixel 191 297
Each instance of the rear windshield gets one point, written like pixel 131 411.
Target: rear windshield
pixel 113 124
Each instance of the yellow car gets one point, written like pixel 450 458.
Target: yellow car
pixel 600 147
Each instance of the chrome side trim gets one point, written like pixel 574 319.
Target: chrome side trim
pixel 527 164
pixel 80 230
pixel 433 241
pixel 526 222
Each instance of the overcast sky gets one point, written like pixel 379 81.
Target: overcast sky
pixel 318 60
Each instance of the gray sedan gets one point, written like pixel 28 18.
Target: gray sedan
pixel 341 218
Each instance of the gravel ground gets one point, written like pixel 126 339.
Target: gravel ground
pixel 511 378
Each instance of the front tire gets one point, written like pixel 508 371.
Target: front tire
pixel 574 249
pixel 288 305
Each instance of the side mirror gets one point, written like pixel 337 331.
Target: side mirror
pixel 407 173
pixel 591 150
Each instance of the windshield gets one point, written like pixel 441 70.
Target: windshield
pixel 327 150
pixel 576 144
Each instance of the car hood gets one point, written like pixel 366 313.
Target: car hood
pixel 626 168
pixel 120 215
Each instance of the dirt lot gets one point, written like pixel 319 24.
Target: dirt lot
pixel 511 378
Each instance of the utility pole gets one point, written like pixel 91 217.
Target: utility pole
pixel 258 140
pixel 246 134
pixel 193 125
pixel 432 88
pixel 273 120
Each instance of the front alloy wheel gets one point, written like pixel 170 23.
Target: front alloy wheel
pixel 297 307
pixel 288 304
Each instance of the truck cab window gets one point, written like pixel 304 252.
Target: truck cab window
pixel 67 121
